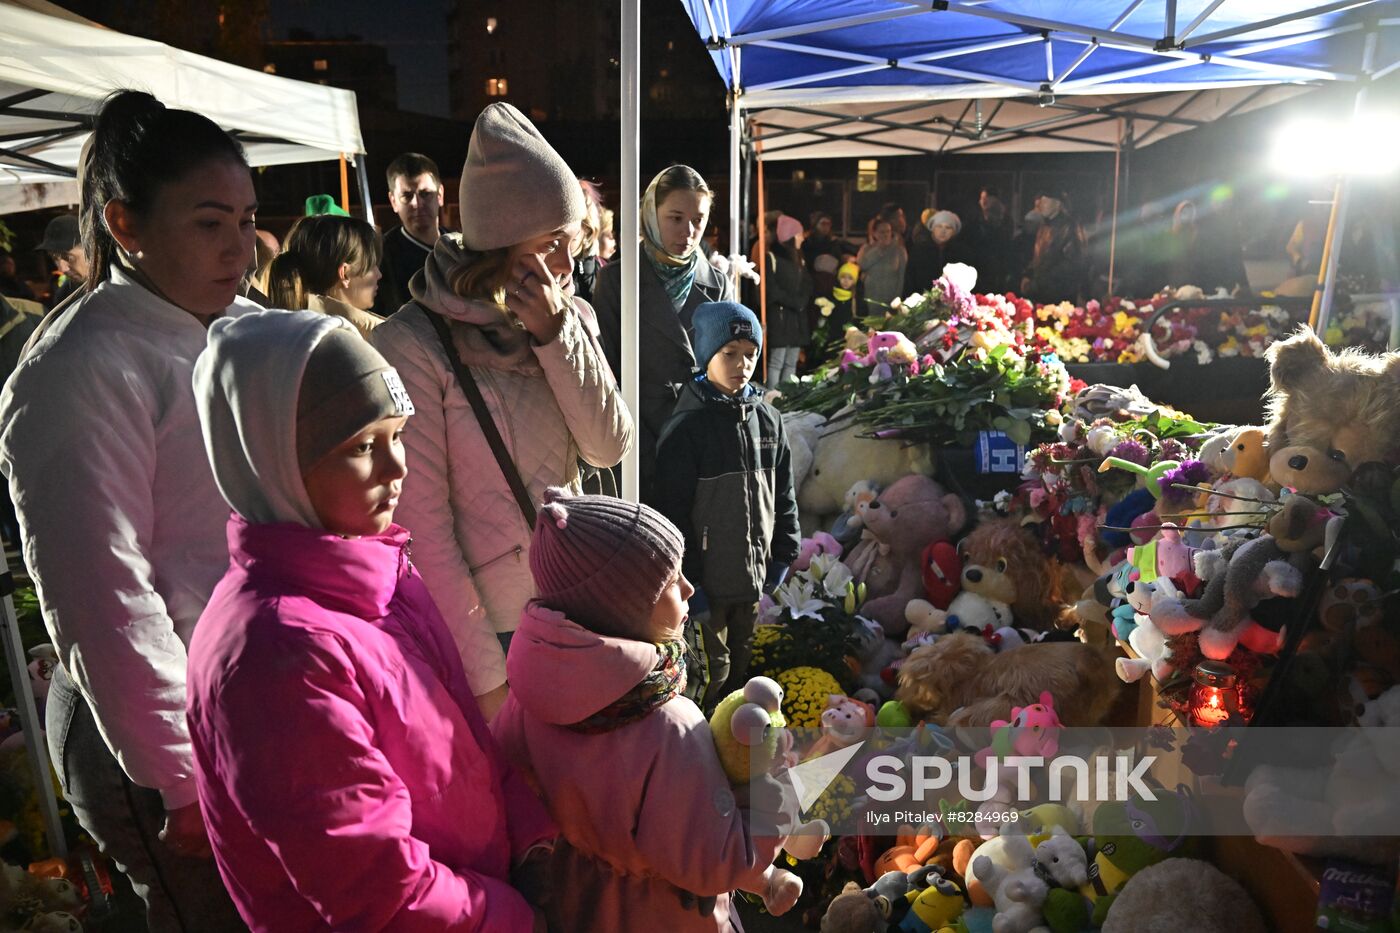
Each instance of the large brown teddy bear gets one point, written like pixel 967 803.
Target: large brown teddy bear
pixel 1004 562
pixel 1329 412
pixel 912 513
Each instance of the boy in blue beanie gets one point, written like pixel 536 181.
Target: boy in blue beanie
pixel 724 477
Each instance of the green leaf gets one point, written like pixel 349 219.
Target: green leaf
pixel 1020 432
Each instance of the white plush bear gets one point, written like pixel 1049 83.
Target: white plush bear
pixel 1350 810
pixel 1148 642
pixel 843 457
pixel 1017 894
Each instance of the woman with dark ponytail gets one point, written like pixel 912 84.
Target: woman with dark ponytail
pixel 121 520
pixel 329 264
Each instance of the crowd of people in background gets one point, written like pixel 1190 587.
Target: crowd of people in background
pixel 493 723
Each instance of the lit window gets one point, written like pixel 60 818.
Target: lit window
pixel 496 87
pixel 490 25
pixel 320 64
pixel 270 68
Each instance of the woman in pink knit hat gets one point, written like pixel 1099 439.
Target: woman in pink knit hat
pixel 651 836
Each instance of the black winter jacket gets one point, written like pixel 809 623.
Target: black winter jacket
pixel 724 477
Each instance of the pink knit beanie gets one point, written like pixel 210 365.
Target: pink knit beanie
pixel 788 228
pixel 603 562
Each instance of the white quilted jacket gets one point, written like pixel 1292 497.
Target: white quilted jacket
pixel 470 541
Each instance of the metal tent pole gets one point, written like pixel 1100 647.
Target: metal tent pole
pixel 362 175
pixel 736 185
pixel 1332 251
pixel 1113 221
pixel 29 716
pixel 628 238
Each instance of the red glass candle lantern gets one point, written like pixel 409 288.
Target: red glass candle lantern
pixel 1215 695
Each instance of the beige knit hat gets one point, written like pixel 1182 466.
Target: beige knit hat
pixel 514 185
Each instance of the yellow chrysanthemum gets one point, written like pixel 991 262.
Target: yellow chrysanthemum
pixel 834 805
pixel 805 692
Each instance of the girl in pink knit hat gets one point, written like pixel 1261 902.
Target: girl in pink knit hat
pixel 652 837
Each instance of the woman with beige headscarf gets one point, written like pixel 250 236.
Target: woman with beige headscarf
pixel 673 279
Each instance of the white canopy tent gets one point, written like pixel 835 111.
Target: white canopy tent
pixel 1080 123
pixel 55 69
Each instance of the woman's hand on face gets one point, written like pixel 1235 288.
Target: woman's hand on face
pixel 536 298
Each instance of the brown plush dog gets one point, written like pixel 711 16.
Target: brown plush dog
pixel 960 681
pixel 1329 412
pixel 1003 561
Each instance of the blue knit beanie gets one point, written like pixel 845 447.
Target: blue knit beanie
pixel 717 323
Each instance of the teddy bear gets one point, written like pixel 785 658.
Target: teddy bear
pixel 1128 837
pixel 1032 731
pixel 1149 643
pixel 751 739
pixel 852 911
pixel 801 428
pixel 1329 412
pixel 1136 601
pixel 36 903
pixel 1238 577
pixel 919 900
pixel 1019 882
pixel 962 681
pixel 850 523
pixel 1337 810
pixel 844 455
pixel 1003 561
pixel 912 511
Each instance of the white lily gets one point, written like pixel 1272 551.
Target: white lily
pixel 835 579
pixel 798 597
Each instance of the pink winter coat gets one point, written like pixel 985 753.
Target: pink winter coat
pixel 645 810
pixel 347 779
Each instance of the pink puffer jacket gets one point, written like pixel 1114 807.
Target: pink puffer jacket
pixel 346 776
pixel 645 811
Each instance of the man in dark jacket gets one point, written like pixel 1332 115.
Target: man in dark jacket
pixel 724 477
pixel 415 194
pixel 1058 264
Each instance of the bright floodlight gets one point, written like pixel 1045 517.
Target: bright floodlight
pixel 1365 145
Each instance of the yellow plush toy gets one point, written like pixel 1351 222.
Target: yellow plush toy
pixel 1248 454
pixel 751 737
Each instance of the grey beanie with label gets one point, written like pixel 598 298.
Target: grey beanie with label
pixel 346 386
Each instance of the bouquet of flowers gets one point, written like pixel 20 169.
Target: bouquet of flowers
pixel 941 366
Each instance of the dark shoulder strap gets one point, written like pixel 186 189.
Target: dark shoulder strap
pixel 483 415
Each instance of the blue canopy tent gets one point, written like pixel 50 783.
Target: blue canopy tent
pixel 849 78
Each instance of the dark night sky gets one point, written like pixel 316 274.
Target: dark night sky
pixel 414 32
